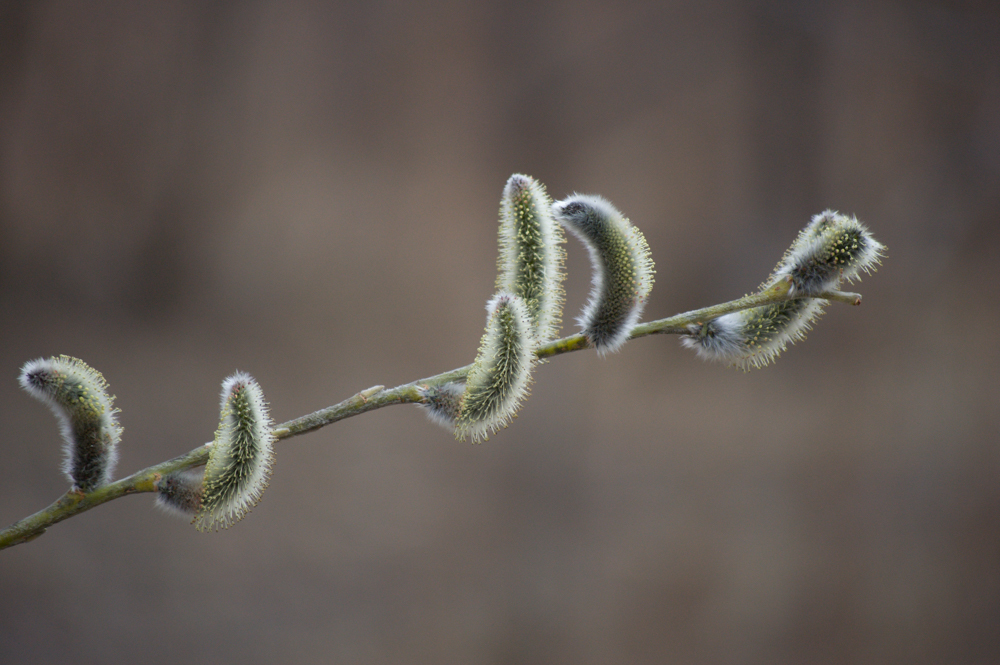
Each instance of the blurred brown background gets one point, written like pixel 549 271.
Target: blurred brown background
pixel 308 191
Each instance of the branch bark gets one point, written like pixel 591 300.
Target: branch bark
pixel 74 502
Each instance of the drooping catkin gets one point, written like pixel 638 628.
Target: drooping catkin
pixel 754 337
pixel 622 269
pixel 78 396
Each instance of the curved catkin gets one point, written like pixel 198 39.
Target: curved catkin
pixel 78 395
pixel 239 464
pixel 180 492
pixel 830 248
pixel 622 269
pixel 532 259
pixel 754 337
pixel 498 380
pixel 442 402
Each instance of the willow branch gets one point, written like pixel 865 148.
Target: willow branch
pixel 74 502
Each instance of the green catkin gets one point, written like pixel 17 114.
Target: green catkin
pixel 530 269
pixel 532 259
pixel 754 337
pixel 499 379
pixel 78 396
pixel 830 248
pixel 622 269
pixel 239 464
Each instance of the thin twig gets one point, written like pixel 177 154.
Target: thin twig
pixel 74 502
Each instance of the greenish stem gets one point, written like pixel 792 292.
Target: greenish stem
pixel 75 502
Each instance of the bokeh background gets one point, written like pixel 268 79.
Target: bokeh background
pixel 308 191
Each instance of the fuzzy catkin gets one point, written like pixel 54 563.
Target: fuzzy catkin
pixel 757 336
pixel 181 492
pixel 239 464
pixel 532 259
pixel 78 396
pixel 830 248
pixel 622 269
pixel 499 379
pixel 442 402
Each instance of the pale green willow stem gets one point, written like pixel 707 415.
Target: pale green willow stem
pixel 74 502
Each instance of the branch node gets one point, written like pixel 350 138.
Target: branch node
pixel 370 392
